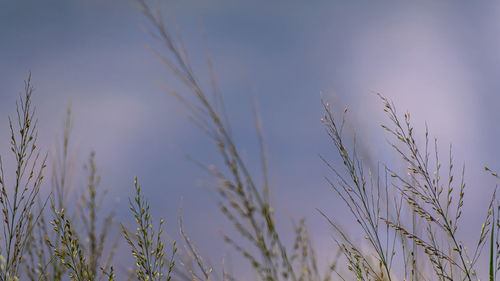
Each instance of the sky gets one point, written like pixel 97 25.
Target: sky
pixel 437 59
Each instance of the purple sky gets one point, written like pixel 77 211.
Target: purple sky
pixel 437 59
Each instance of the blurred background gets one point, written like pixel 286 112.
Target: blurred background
pixel 437 59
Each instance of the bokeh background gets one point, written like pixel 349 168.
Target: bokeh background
pixel 437 59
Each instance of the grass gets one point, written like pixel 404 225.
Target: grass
pixel 147 248
pixel 410 221
pixel 430 236
pixel 18 196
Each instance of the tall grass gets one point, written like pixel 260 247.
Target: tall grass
pixel 243 201
pixel 147 246
pixel 18 194
pixel 410 221
pixel 379 199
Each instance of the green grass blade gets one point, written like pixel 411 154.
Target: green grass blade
pixel 492 245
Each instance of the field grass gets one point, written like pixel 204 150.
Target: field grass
pixel 409 220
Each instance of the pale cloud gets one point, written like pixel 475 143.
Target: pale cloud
pixel 415 63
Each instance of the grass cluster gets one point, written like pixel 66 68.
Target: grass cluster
pixel 409 220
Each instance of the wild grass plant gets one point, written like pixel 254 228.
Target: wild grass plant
pixel 379 198
pixel 409 221
pixel 61 227
pixel 242 200
pixel 79 246
pixel 147 246
pixel 19 192
pixel 39 260
pixel 45 255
